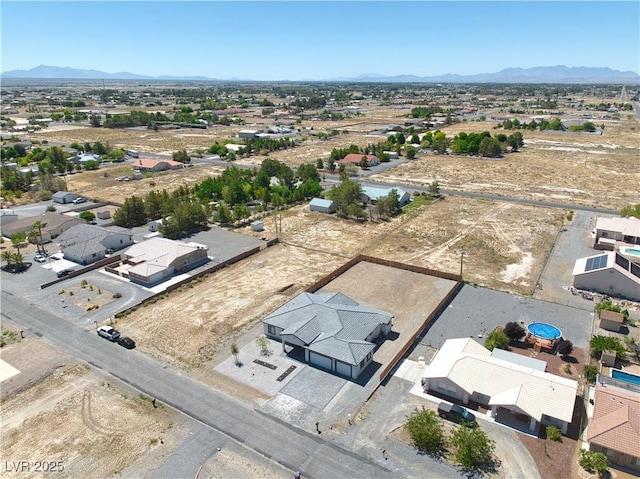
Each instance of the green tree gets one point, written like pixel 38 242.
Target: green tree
pixel 7 257
pixel 91 165
pixel 604 343
pixel 496 339
pixel 182 156
pixel 347 198
pixel 131 213
pixel 565 348
pixel 17 239
pixel 236 353
pixel 490 148
pixel 37 225
pixel 95 121
pixel 427 432
pixel 88 216
pixel 222 215
pixel 410 152
pixel 630 210
pixel 474 450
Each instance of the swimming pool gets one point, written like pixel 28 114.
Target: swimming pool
pixel 630 251
pixel 544 331
pixel 624 376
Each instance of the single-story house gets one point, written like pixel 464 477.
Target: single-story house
pixel 248 133
pixel 143 164
pixel 322 205
pixel 356 158
pixel 614 428
pixel 612 230
pixel 64 197
pixel 84 157
pixel 464 370
pixel 372 195
pixel 335 332
pixel 157 259
pixel 86 244
pixel 53 224
pixel 611 321
pixel 608 273
pixel 7 216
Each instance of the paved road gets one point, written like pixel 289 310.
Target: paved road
pixel 290 447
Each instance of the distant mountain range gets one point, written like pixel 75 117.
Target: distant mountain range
pixel 555 74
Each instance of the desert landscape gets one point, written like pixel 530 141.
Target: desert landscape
pixel 502 245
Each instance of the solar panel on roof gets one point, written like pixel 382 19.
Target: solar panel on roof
pixel 596 262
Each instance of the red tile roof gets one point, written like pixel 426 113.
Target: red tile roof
pixel 356 158
pixel 616 420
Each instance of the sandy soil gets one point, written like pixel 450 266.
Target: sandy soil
pixel 68 417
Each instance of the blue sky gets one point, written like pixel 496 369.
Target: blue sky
pixel 299 40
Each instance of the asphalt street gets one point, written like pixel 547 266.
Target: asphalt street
pixel 291 447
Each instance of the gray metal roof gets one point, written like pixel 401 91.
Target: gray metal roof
pixel 331 324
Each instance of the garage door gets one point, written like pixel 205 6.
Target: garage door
pixel 320 360
pixel 343 368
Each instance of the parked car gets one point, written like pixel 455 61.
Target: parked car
pixel 126 342
pixel 108 332
pixel 63 273
pixel 456 413
pixel 79 200
pixel 39 258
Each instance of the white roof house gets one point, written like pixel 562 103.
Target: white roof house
pixel 610 230
pixel 157 259
pixel 608 273
pixel 465 370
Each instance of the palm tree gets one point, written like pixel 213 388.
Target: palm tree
pixel 17 239
pixel 17 259
pixel 38 226
pixel 7 257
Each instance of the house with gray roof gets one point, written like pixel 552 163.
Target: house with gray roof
pixel 64 197
pixel 322 205
pixel 372 194
pixel 335 332
pixel 86 244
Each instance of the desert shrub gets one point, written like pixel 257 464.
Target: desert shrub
pixel 427 432
pixel 554 433
pixel 567 368
pixel 51 208
pixel 514 331
pixel 594 462
pixel 497 339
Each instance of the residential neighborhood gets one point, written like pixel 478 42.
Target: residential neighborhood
pixel 290 277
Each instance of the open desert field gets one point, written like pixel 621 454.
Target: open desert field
pixel 590 170
pixel 66 421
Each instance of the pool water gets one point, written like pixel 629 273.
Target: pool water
pixel 544 331
pixel 626 377
pixel 632 251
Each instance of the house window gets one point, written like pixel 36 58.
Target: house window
pixel 635 461
pixel 271 329
pixel 361 364
pixel 94 255
pixel 605 234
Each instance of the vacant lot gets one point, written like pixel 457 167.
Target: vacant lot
pixel 69 417
pixel 590 170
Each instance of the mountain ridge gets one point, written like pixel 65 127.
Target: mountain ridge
pixel 542 74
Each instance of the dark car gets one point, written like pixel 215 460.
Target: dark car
pixel 126 342
pixel 456 413
pixel 63 273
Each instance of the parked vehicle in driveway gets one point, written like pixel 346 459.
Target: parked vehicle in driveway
pixel 126 342
pixel 63 273
pixel 79 200
pixel 39 258
pixel 456 413
pixel 109 333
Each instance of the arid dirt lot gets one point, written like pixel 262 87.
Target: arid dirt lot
pixel 69 417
